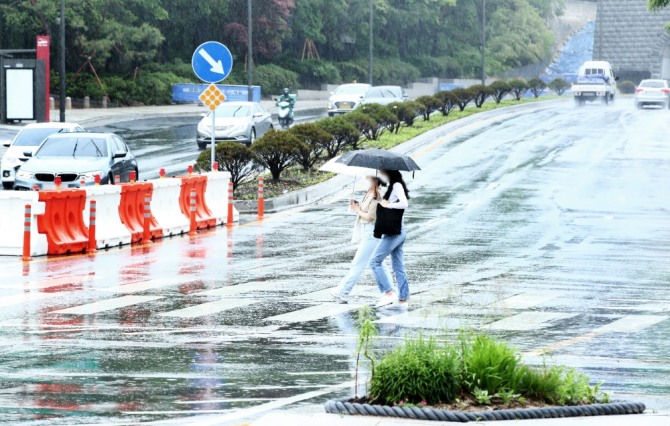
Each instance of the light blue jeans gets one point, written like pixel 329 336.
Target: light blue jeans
pixel 391 245
pixel 366 248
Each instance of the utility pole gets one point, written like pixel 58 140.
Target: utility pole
pixel 250 49
pixel 484 42
pixel 371 43
pixel 61 48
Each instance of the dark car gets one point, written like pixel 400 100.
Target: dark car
pixel 77 158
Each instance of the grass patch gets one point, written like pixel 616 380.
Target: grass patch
pixel 293 179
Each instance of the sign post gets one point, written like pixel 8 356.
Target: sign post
pixel 212 62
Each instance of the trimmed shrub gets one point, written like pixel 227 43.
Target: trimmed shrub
pixel 463 97
pixel 352 71
pixel 536 86
pixel 430 105
pixel 314 139
pixel 235 158
pixel 500 89
pixel 312 73
pixel 366 125
pixel 480 94
pixel 276 151
pixel 519 88
pixel 405 112
pixel 343 135
pixel 626 87
pixel 273 78
pixel 385 119
pixel 558 86
pixel 448 101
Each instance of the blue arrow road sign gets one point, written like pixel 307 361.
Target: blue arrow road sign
pixel 212 62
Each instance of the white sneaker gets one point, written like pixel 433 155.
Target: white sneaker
pixel 338 296
pixel 386 299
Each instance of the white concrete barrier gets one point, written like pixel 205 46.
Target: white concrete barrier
pixel 109 230
pixel 216 197
pixel 11 223
pixel 165 206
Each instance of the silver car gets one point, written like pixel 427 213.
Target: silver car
pixel 235 122
pixel 346 98
pixel 652 92
pixel 384 95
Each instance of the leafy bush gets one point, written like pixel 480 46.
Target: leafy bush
pixel 448 101
pixel 352 71
pixel 463 97
pixel 276 151
pixel 419 370
pixel 232 157
pixel 559 86
pixel 390 71
pixel 366 125
pixel 490 365
pixel 519 88
pixel 626 87
pixel 536 86
pixel 314 139
pixel 500 89
pixel 313 73
pixel 480 94
pixel 441 67
pixel 273 78
pixel 343 135
pixel 385 119
pixel 430 105
pixel 405 112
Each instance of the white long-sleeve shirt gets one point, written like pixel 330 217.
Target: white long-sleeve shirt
pixel 397 199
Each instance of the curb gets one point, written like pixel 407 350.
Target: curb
pixel 618 408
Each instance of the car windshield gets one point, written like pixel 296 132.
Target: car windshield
pixel 233 111
pixel 350 90
pixel 591 79
pixel 35 136
pixel 73 147
pixel 653 84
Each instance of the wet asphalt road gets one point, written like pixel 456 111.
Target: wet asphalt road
pixel 548 229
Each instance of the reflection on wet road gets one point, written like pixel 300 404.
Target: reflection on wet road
pixel 548 229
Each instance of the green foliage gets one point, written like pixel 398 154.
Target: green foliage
pixel 519 88
pixel 463 97
pixel 390 71
pixel 314 139
pixel 313 73
pixel 448 101
pixel 500 89
pixel 430 105
pixel 384 118
pixel 366 336
pixel 536 86
pixel 273 78
pixel 352 72
pixel 276 151
pixel 482 396
pixel 343 135
pixel 657 4
pixel 233 157
pixel 405 112
pixel 480 94
pixel 558 86
pixel 489 365
pixel 626 87
pixel 366 125
pixel 419 370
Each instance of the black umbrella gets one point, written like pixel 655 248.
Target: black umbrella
pixel 379 159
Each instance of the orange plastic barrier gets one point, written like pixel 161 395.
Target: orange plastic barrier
pixel 204 217
pixel 131 211
pixel 63 221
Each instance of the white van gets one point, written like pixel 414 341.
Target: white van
pixel 595 81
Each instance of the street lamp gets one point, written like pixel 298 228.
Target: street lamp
pixel 61 49
pixel 250 61
pixel 371 43
pixel 484 42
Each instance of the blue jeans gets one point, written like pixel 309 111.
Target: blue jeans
pixel 391 245
pixel 366 248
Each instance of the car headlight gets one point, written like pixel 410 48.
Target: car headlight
pixel 331 105
pixel 90 175
pixel 22 174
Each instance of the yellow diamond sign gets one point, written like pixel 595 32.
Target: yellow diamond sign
pixel 212 97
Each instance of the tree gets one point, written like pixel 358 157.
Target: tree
pixel 405 112
pixel 314 139
pixel 480 94
pixel 448 101
pixel 658 4
pixel 463 97
pixel 559 86
pixel 519 88
pixel 384 118
pixel 430 105
pixel 233 157
pixel 500 89
pixel 343 134
pixel 276 151
pixel 536 86
pixel 366 125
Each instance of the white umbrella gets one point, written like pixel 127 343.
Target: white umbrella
pixel 334 167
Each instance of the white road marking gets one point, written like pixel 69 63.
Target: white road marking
pixel 209 308
pixel 631 324
pixel 17 299
pixel 438 317
pixel 139 286
pixel 233 290
pixel 220 401
pixel 324 295
pixel 528 321
pixel 523 301
pixel 314 312
pixel 51 282
pixel 107 305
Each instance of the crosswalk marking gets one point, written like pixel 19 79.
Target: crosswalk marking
pixel 139 286
pixel 50 282
pixel 209 308
pixel 107 305
pixel 438 317
pixel 314 313
pixel 17 299
pixel 233 290
pixel 631 324
pixel 528 321
pixel 324 295
pixel 523 301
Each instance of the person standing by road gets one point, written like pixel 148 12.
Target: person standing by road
pixel 366 213
pixel 390 228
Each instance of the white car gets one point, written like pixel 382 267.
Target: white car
pixel 652 92
pixel 28 140
pixel 241 122
pixel 346 98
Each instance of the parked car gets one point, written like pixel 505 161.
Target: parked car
pixel 77 158
pixel 346 98
pixel 28 139
pixel 652 92
pixel 384 95
pixel 235 122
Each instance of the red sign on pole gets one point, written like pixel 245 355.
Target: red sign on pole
pixel 43 53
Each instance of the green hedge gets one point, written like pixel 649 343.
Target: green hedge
pixel 273 78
